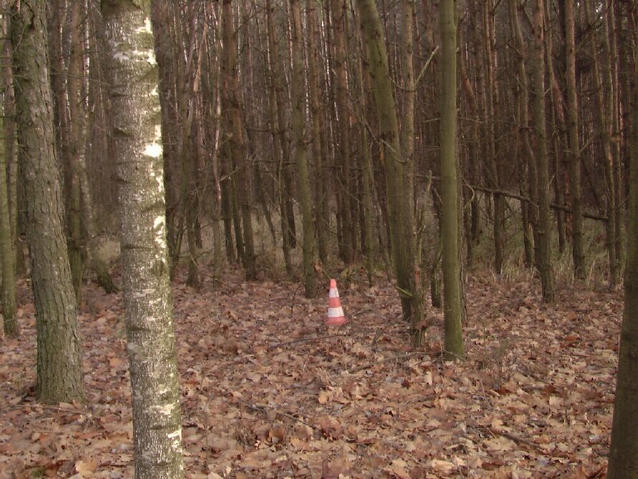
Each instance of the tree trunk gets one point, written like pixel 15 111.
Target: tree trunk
pixel 623 454
pixel 409 93
pixel 452 281
pixel 7 245
pixel 299 132
pixel 491 99
pixel 145 269
pixel 77 128
pixel 574 143
pixel 65 139
pixel 59 358
pixel 399 211
pixel 165 47
pixel 318 150
pixel 235 137
pixel 603 103
pixel 280 145
pixel 7 254
pixel 530 212
pixel 367 180
pixel 343 160
pixel 543 230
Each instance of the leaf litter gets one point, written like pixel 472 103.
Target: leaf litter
pixel 269 391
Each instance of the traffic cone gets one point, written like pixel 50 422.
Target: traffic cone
pixel 335 311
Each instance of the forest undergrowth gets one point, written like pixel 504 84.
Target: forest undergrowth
pixel 269 391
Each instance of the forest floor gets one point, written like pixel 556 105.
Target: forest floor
pixel 268 391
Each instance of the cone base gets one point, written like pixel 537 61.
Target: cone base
pixel 339 321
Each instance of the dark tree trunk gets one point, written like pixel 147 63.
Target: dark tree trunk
pixel 59 361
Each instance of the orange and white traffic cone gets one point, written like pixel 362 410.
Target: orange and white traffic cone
pixel 335 311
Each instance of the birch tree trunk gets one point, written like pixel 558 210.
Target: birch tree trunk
pixel 145 272
pixel 59 357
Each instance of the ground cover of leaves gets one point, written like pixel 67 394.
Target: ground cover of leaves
pixel 269 391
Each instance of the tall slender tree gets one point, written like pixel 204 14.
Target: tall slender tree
pixel 235 136
pixel 59 358
pixel 574 143
pixel 343 160
pixel 7 250
pixel 10 325
pixel 543 229
pixel 151 344
pixel 299 131
pixel 399 210
pixel 452 286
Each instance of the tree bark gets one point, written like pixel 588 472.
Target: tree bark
pixel 574 142
pixel 235 137
pixel 7 254
pixel 452 281
pixel 145 265
pixel 603 104
pixel 530 216
pixel 409 93
pixel 399 210
pixel 543 230
pixel 623 453
pixel 343 160
pixel 59 357
pixel 318 150
pixel 299 132
pixel 280 145
pixel 491 90
pixel 7 246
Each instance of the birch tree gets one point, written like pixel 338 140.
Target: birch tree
pixel 145 266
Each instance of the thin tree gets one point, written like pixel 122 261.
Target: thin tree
pixel 59 357
pixel 299 131
pixel 7 250
pixel 7 254
pixel 322 218
pixel 235 136
pixel 399 210
pixel 623 454
pixel 543 229
pixel 529 209
pixel 281 150
pixel 452 286
pixel 409 94
pixel 145 265
pixel 343 160
pixel 574 144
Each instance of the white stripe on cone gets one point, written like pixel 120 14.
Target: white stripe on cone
pixel 335 311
